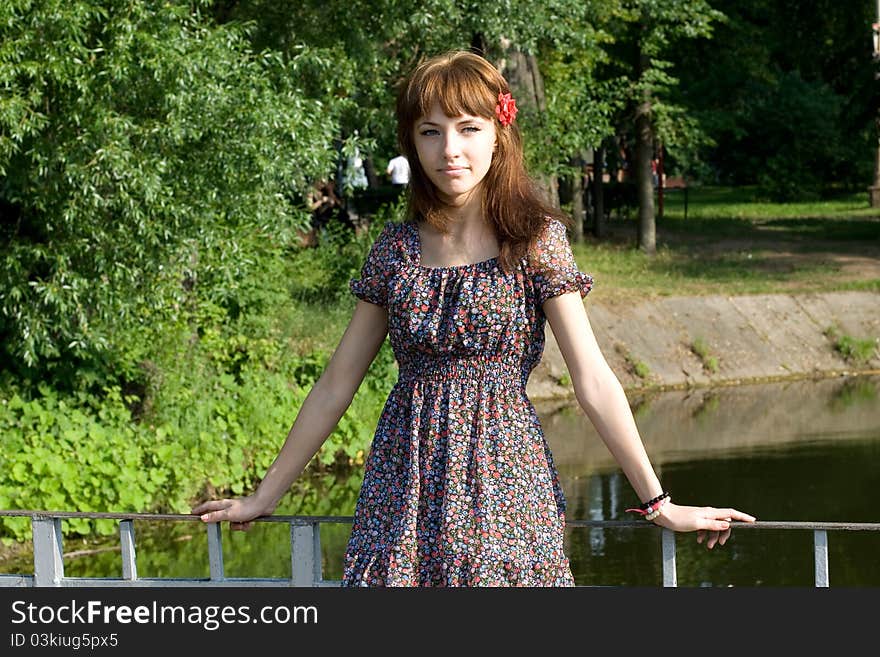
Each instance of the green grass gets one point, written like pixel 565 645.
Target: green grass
pixel 854 350
pixel 701 349
pixel 638 367
pixel 707 202
pixel 732 242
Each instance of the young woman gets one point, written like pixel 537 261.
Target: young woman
pixel 460 488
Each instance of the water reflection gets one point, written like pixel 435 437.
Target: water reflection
pixel 803 450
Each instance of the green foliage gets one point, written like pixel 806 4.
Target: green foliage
pixel 795 126
pixel 701 349
pixel 210 397
pixel 635 365
pixel 141 147
pixel 786 93
pixel 322 273
pixel 79 453
pixel 854 350
pixel 646 37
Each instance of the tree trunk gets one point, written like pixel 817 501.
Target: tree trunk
pixel 874 189
pixel 599 225
pixel 644 154
pixel 527 87
pixel 577 199
pixel 478 44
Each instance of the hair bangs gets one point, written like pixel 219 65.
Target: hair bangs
pixel 457 90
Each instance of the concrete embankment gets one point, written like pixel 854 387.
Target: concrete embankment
pixel 680 342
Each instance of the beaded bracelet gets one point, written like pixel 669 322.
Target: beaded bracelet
pixel 656 512
pixel 651 508
pixel 652 502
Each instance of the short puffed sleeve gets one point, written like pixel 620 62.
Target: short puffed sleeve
pixel 379 268
pixel 554 267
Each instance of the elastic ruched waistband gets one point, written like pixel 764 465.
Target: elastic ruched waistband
pixel 464 369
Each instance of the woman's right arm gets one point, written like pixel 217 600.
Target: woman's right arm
pixel 319 414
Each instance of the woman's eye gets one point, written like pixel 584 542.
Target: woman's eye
pixel 471 128
pixel 429 132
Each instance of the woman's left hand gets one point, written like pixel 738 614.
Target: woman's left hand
pixel 709 522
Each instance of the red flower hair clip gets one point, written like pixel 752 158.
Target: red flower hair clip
pixel 505 110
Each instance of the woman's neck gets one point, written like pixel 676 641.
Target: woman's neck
pixel 465 215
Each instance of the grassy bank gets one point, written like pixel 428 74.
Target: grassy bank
pixel 732 242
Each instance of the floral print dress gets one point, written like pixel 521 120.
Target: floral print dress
pixel 460 488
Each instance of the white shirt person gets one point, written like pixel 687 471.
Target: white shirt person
pixel 398 169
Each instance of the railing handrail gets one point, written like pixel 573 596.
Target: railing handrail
pixel 305 520
pixel 305 540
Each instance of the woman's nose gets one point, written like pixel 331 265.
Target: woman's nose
pixel 451 145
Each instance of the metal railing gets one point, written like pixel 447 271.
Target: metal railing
pixel 305 549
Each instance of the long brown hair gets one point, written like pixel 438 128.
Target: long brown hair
pixel 465 83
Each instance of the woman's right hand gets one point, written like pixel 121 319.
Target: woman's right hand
pixel 238 512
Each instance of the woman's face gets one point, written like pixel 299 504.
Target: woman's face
pixel 455 152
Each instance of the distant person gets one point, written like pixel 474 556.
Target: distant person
pixel 355 174
pixel 460 487
pixel 324 205
pixel 398 169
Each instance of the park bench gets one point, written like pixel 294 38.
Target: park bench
pixel 673 184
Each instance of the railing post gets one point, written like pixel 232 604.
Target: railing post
pixel 670 577
pixel 215 551
pixel 305 554
pixel 820 556
pixel 48 551
pixel 126 541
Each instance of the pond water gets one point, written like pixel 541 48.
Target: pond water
pixel 794 451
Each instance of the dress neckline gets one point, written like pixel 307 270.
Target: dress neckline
pixel 417 250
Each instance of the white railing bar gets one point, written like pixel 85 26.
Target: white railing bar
pixel 215 551
pixel 670 576
pixel 129 556
pixel 820 557
pixel 305 554
pixel 48 551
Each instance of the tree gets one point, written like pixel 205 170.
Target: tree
pixel 642 57
pixel 144 151
pixel 780 114
pixel 380 41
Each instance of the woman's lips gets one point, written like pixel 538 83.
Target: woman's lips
pixel 453 171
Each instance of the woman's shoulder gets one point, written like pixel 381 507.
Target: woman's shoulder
pixel 396 230
pixel 551 236
pixel 553 228
pixel 394 239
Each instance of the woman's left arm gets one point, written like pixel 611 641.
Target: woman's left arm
pixel 603 399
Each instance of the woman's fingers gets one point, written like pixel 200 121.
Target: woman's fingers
pixel 733 514
pixel 237 511
pixel 715 527
pixel 216 515
pixel 720 519
pixel 211 511
pixel 713 539
pixel 217 511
